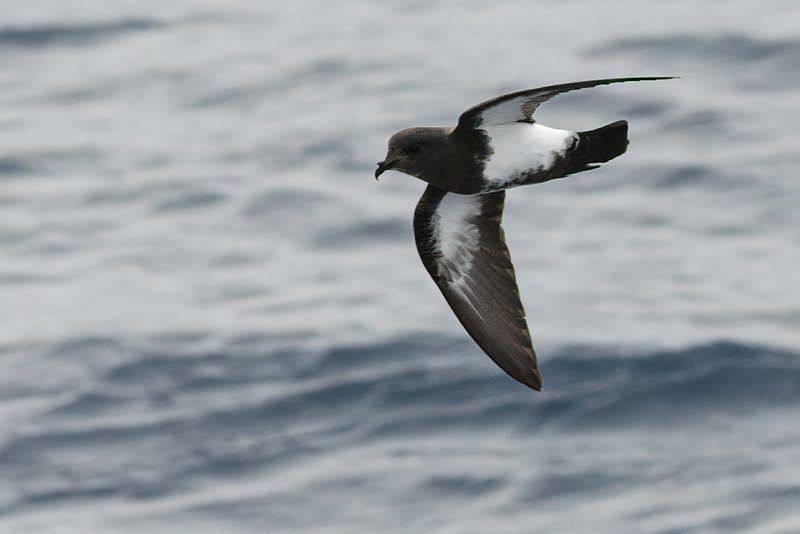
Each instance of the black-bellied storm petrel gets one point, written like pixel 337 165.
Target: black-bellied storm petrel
pixel 495 146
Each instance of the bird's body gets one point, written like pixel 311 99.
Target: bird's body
pixel 495 146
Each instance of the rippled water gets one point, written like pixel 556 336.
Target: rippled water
pixel 212 316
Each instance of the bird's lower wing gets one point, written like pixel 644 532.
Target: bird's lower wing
pixel 461 243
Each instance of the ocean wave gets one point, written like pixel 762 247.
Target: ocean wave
pixel 161 416
pixel 43 36
pixel 673 387
pixel 583 385
pixel 770 63
pixel 721 47
pixel 415 379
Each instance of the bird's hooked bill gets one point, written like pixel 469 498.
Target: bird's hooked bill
pixel 382 167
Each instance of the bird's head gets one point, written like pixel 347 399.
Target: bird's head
pixel 414 151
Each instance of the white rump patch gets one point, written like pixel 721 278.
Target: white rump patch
pixel 521 147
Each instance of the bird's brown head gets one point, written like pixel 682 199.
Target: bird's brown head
pixel 415 151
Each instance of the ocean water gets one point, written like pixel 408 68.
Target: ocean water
pixel 213 317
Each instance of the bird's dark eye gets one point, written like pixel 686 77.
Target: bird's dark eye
pixel 411 149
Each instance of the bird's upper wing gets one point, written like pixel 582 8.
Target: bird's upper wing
pixel 462 245
pixel 519 106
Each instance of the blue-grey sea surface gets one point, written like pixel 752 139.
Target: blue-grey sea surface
pixel 213 318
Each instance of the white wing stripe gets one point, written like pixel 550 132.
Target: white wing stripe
pixel 456 237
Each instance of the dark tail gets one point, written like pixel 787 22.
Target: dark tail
pixel 600 145
pixel 606 143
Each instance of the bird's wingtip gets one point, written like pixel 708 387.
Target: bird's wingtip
pixel 534 381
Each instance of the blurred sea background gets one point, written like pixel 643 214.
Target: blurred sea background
pixel 213 317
